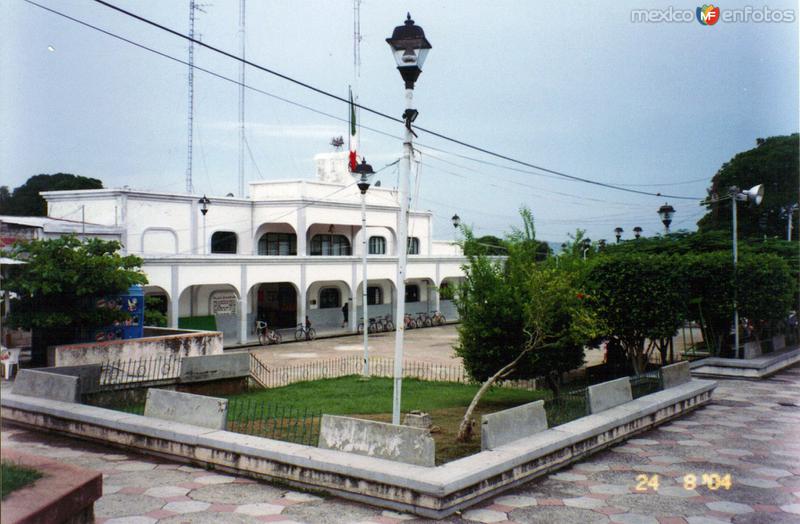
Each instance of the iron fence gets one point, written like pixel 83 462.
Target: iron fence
pixel 116 374
pixel 279 422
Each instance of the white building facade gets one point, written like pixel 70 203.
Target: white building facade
pixel 291 250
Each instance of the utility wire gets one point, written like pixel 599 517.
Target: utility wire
pixel 374 111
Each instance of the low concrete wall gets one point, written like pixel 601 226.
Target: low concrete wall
pixel 755 368
pixel 377 439
pixel 512 424
pixel 187 344
pixel 675 374
pixel 198 410
pixel 606 395
pixel 215 367
pixel 53 386
pixel 778 343
pixel 429 492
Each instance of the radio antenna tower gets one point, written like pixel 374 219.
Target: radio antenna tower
pixel 357 38
pixel 241 97
pixel 193 6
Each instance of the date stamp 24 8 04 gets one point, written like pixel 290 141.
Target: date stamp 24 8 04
pixel 712 481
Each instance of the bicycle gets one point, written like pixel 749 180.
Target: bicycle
pixel 438 319
pixel 304 332
pixel 423 320
pixel 386 323
pixel 410 323
pixel 372 327
pixel 267 336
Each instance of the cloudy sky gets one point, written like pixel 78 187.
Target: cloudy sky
pixel 570 86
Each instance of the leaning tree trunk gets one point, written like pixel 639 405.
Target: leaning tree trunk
pixel 465 428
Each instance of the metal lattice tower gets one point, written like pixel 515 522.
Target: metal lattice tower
pixel 241 97
pixel 193 6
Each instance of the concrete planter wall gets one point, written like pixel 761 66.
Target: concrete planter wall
pixel 172 344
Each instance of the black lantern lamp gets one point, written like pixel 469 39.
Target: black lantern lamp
pixel 410 48
pixel 666 212
pixel 204 203
pixel 456 221
pixel 364 170
pixel 637 232
pixel 618 233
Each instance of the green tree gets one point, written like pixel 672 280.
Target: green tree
pixel 485 245
pixel 774 163
pixel 26 201
pixel 58 287
pixel 641 300
pixel 155 307
pixel 519 318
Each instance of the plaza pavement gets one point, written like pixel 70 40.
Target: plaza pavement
pixel 750 431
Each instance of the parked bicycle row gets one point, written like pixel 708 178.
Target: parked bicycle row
pixel 423 319
pixel 267 335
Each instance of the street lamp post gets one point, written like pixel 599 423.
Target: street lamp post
pixel 666 212
pixel 755 195
pixel 618 233
pixel 637 232
pixel 410 48
pixel 364 169
pixel 204 203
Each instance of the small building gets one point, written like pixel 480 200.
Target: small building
pixel 292 249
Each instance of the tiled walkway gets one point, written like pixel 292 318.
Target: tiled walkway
pixel 751 432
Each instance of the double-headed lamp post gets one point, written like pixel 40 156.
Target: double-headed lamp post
pixel 618 233
pixel 755 195
pixel 364 170
pixel 410 48
pixel 204 203
pixel 666 212
pixel 637 232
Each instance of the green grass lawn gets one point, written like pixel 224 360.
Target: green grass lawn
pixel 372 399
pixel 16 477
pixel 350 395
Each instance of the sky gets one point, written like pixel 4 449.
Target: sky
pixel 575 87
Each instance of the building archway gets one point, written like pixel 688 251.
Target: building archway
pixel 276 304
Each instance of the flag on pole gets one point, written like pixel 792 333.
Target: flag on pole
pixel 353 161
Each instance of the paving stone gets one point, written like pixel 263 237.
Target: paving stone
pixel 667 459
pixel 191 469
pixel 148 479
pixel 243 494
pixel 735 452
pixel 125 505
pixel 331 511
pixel 557 515
pixel 729 507
pixel 757 483
pixel 584 502
pixel 633 518
pixel 165 492
pixel 132 520
pixel 643 442
pixel 134 466
pixel 206 517
pixel 677 491
pixel 294 496
pixel 515 501
pixel 214 479
pixel 588 466
pixel 568 477
pixel 186 506
pixel 693 443
pixel 653 504
pixel 791 508
pixel 772 472
pixel 259 509
pixel 397 516
pixel 610 489
pixel 484 515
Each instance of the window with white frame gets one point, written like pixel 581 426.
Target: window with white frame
pixel 377 246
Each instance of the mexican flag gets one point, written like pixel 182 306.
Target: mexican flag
pixel 353 139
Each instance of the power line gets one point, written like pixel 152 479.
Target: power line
pixel 379 113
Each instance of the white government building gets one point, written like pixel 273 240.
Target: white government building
pixel 293 248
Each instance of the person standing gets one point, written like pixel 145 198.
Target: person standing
pixel 345 311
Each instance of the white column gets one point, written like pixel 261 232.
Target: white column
pixel 244 306
pixel 175 299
